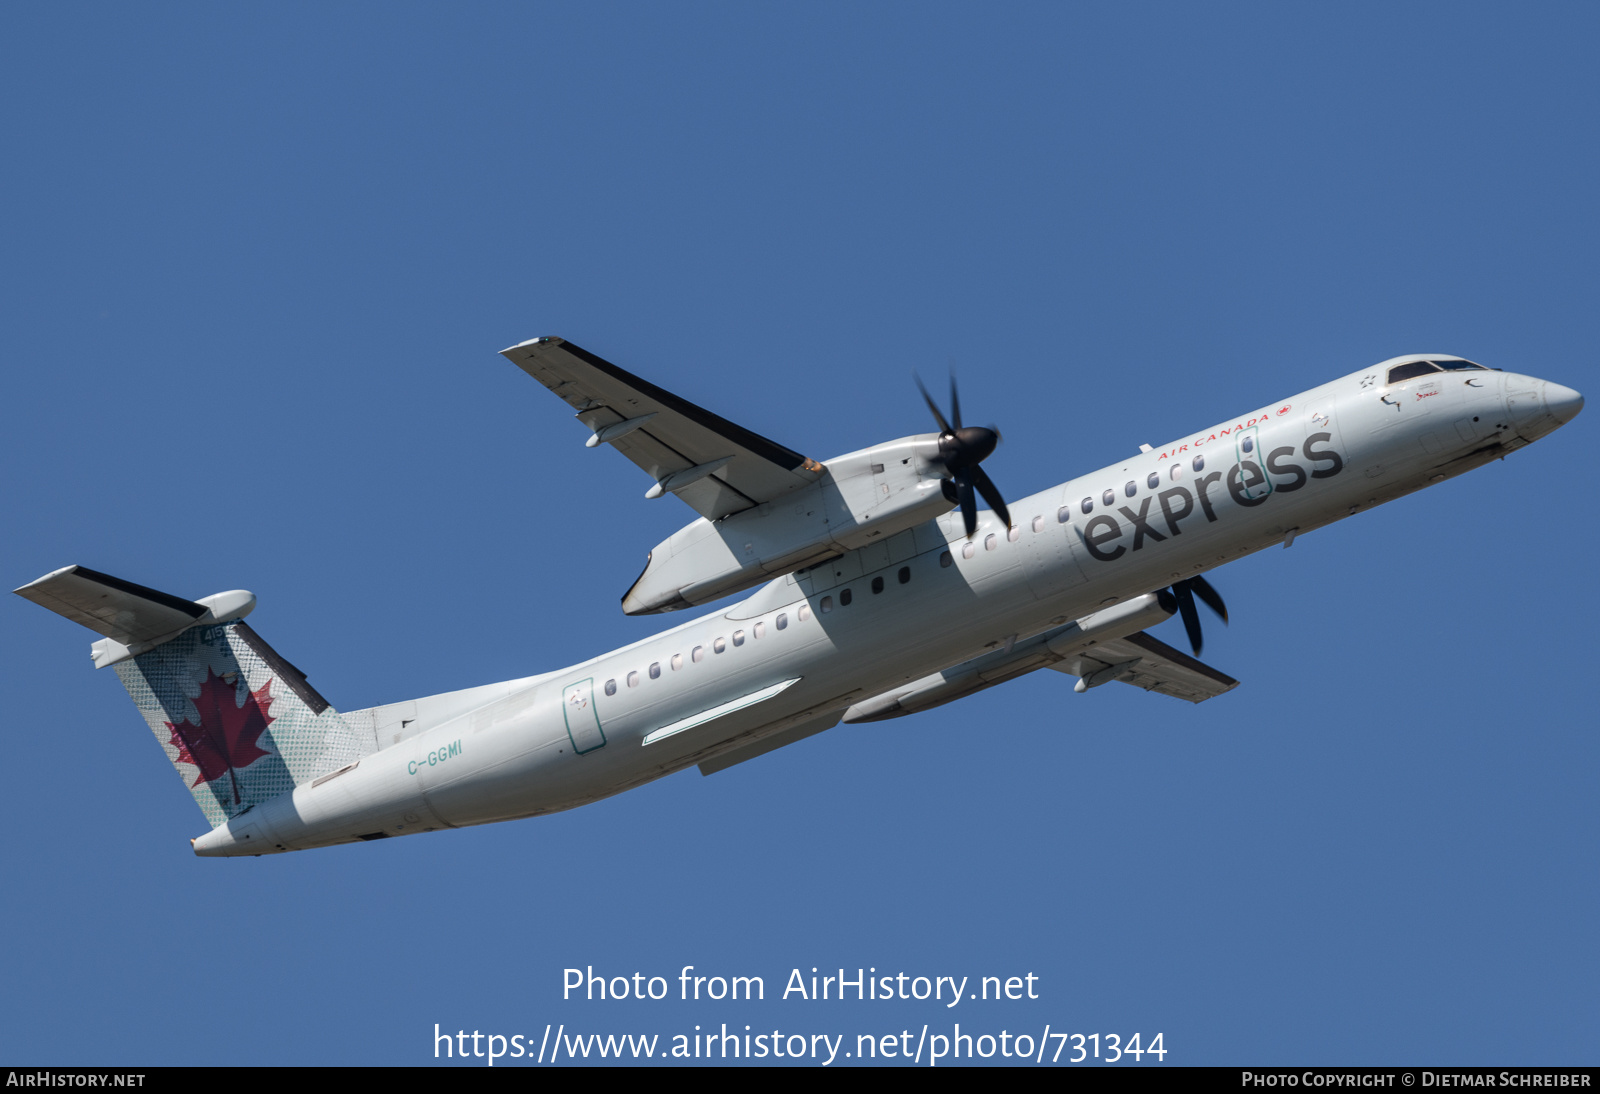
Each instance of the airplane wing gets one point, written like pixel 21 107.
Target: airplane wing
pixel 1135 659
pixel 1152 665
pixel 715 466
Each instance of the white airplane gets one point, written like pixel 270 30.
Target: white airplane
pixel 862 561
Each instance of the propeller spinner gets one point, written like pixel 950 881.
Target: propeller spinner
pixel 963 448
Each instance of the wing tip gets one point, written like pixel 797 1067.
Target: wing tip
pixel 548 340
pixel 21 590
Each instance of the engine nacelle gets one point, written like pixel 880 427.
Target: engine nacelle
pixel 860 497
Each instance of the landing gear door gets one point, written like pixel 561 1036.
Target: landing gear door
pixel 583 721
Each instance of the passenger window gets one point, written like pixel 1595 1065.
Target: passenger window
pixel 845 597
pixel 738 638
pixel 1407 372
pixel 1038 524
pixel 1087 505
pixel 655 670
pixel 719 644
pixel 1109 498
pixel 804 613
pixel 944 559
pixel 759 630
pixel 1176 474
pixel 990 541
pixel 1013 533
pixel 1154 480
pixel 968 549
pixel 1131 488
pixel 827 604
pixel 611 687
pixel 697 654
pixel 633 679
pixel 783 621
pixel 1199 464
pixel 877 585
pixel 905 572
pixel 677 662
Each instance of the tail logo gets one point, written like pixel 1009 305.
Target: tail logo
pixel 228 735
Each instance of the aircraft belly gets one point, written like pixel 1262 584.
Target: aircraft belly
pixel 375 795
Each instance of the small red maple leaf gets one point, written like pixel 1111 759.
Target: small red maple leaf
pixel 228 734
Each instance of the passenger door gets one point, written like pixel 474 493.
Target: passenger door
pixel 1251 463
pixel 583 721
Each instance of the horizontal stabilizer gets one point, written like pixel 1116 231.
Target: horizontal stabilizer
pixel 108 605
pixel 238 722
pixel 134 618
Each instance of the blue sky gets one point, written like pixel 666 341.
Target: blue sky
pixel 259 261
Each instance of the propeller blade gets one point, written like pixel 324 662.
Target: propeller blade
pixel 961 450
pixel 991 494
pixel 1209 596
pixel 944 426
pixel 969 508
pixel 1191 617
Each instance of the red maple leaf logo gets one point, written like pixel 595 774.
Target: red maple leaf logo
pixel 227 735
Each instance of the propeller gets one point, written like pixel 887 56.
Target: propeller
pixel 1184 592
pixel 963 448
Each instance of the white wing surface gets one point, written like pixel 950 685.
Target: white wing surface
pixel 1155 666
pixel 715 466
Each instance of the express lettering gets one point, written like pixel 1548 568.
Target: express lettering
pixel 1242 480
pixel 1243 477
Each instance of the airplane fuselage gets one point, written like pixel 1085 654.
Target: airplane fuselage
pixel 807 646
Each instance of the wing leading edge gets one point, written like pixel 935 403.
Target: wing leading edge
pixel 715 466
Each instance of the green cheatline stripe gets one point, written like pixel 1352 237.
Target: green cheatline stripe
pixel 718 711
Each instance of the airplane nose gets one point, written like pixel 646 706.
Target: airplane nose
pixel 1562 402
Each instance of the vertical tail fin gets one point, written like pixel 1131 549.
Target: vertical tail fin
pixel 238 722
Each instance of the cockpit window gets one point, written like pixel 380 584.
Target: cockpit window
pixel 1460 366
pixel 1402 373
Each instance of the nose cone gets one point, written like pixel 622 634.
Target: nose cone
pixel 1562 403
